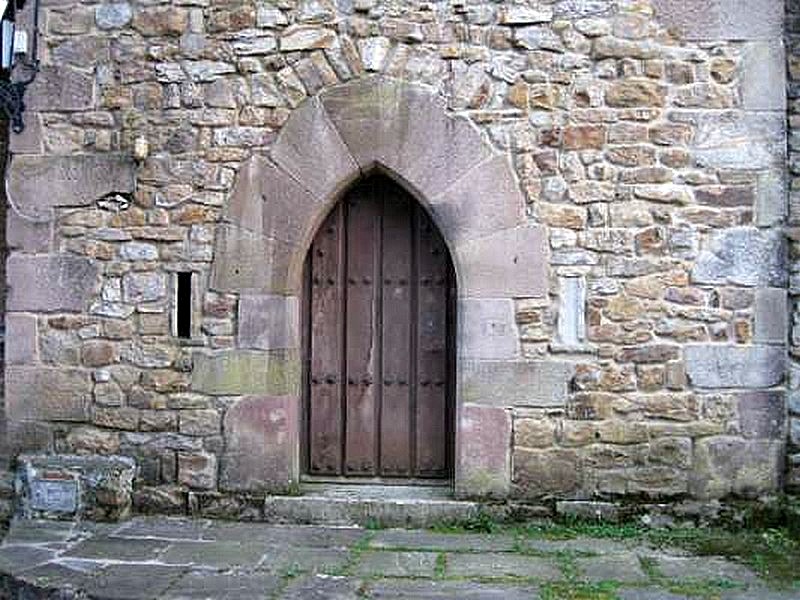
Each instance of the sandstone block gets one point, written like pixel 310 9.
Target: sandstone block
pixel 487 329
pixel 722 19
pixel 771 316
pixel 762 415
pixel 47 394
pixel 515 383
pixel 763 75
pixel 238 372
pixel 114 15
pixel 743 256
pixel 60 88
pixel 650 353
pixel 144 287
pixel 723 366
pixel 631 93
pixel 534 433
pixel 50 282
pixel 307 37
pixel 483 464
pixel 542 473
pixel 261 435
pixel 738 140
pixel 37 184
pixel 405 129
pixel 249 262
pixel 511 263
pixel 98 353
pixel 199 422
pixel 197 470
pixel 20 339
pixel 726 465
pixel 310 149
pixel 161 21
pixel 485 200
pixel 269 322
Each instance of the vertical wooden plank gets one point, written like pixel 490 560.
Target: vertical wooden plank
pixel 396 334
pixel 432 389
pixel 363 251
pixel 325 406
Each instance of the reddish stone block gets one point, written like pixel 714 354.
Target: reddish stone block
pixel 261 440
pixel 483 446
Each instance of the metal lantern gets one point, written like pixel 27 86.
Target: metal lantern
pixel 19 61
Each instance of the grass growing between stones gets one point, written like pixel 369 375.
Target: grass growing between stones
pixel 579 591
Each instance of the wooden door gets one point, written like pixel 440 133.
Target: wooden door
pixel 379 325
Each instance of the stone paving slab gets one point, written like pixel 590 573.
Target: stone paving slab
pixel 707 568
pixel 424 540
pixel 210 585
pixel 172 559
pixel 397 564
pixel 615 567
pixel 450 589
pixel 502 565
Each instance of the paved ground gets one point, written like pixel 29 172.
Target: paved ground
pixel 165 558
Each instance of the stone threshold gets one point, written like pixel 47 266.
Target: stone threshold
pixel 368 504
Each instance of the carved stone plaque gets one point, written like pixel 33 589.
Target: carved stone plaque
pixel 54 495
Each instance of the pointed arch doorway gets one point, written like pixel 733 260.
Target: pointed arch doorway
pixel 379 322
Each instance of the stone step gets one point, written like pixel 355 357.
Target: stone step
pixel 365 505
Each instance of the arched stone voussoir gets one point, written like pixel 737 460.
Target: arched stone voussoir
pixel 245 261
pixel 310 150
pixel 510 263
pixel 268 201
pixel 405 128
pixel 485 200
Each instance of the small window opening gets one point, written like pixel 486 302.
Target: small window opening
pixel 184 305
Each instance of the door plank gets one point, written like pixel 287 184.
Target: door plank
pixel 363 248
pixel 397 384
pixel 325 411
pixel 431 406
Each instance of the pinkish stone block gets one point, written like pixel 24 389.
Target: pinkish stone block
pixel 261 434
pixel 483 452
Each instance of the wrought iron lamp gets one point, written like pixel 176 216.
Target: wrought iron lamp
pixel 19 62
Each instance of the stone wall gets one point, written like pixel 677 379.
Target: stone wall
pixel 648 140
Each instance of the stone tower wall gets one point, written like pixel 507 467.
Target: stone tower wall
pixel 648 140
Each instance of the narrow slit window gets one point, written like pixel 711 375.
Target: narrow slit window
pixel 184 305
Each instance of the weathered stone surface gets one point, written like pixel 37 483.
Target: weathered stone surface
pixel 249 262
pixel 721 366
pixel 502 565
pixel 269 202
pixel 325 166
pixel 764 76
pixel 635 92
pixel 485 200
pixel 483 463
pixel 406 130
pixel 542 473
pixel 306 37
pixel 762 415
pixel 27 235
pixel 47 394
pixel 144 287
pixel 771 316
pixel 572 312
pixel 81 180
pixel 269 322
pixel 60 88
pixel 742 256
pixel 261 434
pixel 515 383
pixel 722 19
pixel 274 373
pixel 738 140
pixel 20 339
pixel 487 329
pixel 511 263
pixel 724 465
pixel 50 282
pixel 113 15
pixel 197 470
